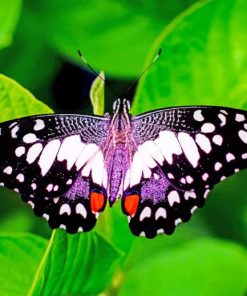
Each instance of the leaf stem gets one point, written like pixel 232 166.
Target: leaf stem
pixel 41 265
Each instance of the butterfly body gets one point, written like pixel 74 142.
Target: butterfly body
pixel 161 163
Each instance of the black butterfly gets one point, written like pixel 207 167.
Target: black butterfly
pixel 162 163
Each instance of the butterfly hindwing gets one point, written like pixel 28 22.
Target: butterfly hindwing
pixel 183 152
pixel 75 211
pixel 155 206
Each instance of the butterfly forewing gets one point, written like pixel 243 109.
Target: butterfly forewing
pixel 53 162
pixel 184 152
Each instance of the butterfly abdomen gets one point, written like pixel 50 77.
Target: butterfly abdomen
pixel 117 170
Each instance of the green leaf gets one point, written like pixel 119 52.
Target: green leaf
pixel 201 267
pixel 113 35
pixel 9 15
pixel 80 264
pixel 97 94
pixel 19 257
pixel 16 101
pixel 29 60
pixel 199 66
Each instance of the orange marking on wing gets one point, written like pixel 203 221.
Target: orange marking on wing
pixel 96 201
pixel 131 203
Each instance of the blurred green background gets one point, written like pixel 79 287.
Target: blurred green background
pixel 204 61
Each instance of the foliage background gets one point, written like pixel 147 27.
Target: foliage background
pixel 204 61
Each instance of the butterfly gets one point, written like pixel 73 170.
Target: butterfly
pixel 162 164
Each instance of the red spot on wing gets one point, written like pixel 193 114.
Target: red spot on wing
pixel 97 201
pixel 131 203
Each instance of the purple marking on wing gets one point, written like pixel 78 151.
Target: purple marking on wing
pixel 155 188
pixel 79 188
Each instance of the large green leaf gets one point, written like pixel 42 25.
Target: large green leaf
pixel 114 35
pixel 16 101
pixel 204 59
pixel 19 256
pixel 29 60
pixel 201 267
pixel 80 264
pixel 9 15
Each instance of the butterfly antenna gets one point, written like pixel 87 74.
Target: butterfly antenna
pixel 98 75
pixel 137 79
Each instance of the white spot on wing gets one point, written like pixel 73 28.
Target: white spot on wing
pixel 147 173
pixel 31 204
pixel 203 142
pixel 46 216
pixel 85 155
pixel 229 157
pixel 49 187
pixel 86 170
pixel 14 131
pixel 146 157
pixel 69 181
pixel 30 138
pixel 48 156
pixel 205 176
pixel 127 179
pixel 222 119
pixel 152 149
pixel 198 115
pixel 170 176
pixel 34 152
pixel 136 169
pixel 161 212
pixel 55 188
pixel 178 221
pixel 34 186
pixel 8 170
pixel 20 178
pixel 217 166
pixel 189 179
pixel 39 125
pixel 243 136
pixel 70 149
pixel 19 151
pixel 65 209
pixel 218 140
pixel 168 144
pixel 80 209
pixel 193 209
pixel 146 213
pixel 244 155
pixel 173 196
pixel 189 194
pixel 189 147
pixel 239 117
pixel 207 128
pixel 98 168
pixel 206 193
pixel 160 231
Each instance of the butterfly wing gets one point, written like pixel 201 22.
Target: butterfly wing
pixel 56 163
pixel 183 152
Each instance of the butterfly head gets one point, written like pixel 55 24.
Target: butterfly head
pixel 121 106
